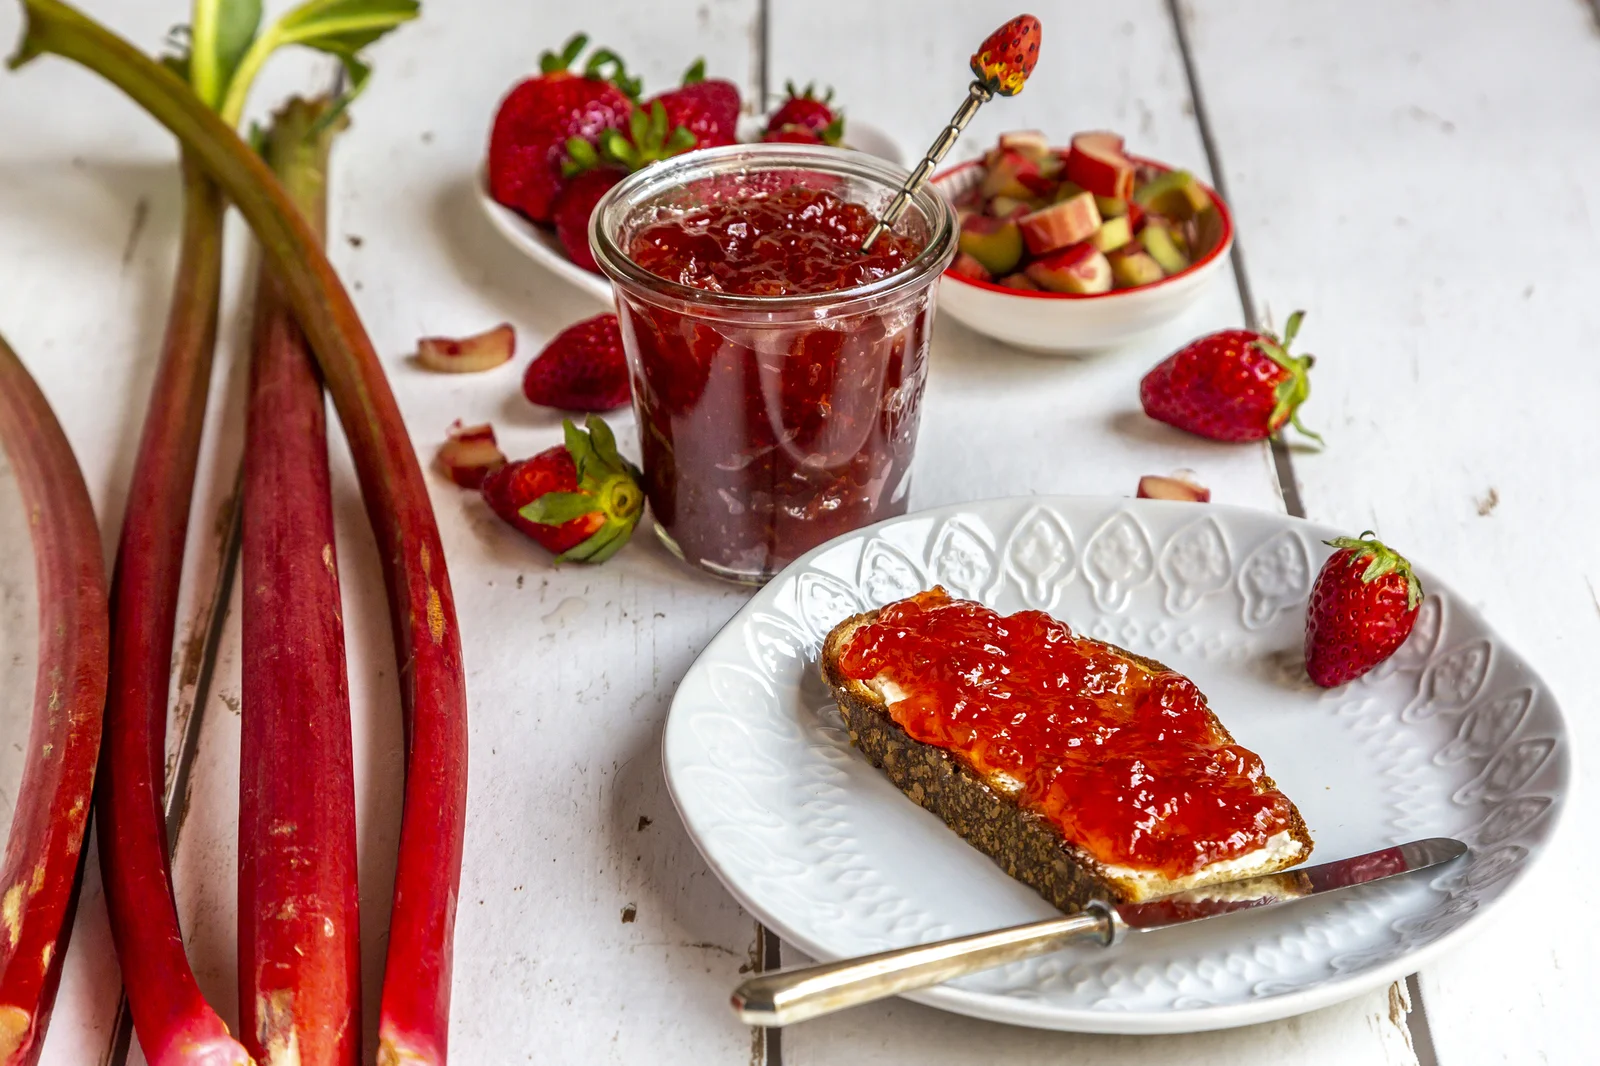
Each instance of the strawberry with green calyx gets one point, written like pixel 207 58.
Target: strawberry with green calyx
pixel 542 115
pixel 707 107
pixel 1362 608
pixel 803 109
pixel 576 202
pixel 589 172
pixel 580 500
pixel 651 137
pixel 1007 56
pixel 1236 385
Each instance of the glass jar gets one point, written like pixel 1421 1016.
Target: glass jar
pixel 770 424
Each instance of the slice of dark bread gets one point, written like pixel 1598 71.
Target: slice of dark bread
pixel 1026 845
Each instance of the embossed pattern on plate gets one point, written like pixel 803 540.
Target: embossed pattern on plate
pixel 1455 735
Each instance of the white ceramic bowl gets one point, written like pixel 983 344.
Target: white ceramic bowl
pixel 1068 324
pixel 539 243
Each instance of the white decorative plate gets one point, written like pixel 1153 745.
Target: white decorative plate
pixel 540 244
pixel 1455 735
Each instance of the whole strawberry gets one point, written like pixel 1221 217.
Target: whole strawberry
pixel 580 500
pixel 573 206
pixel 540 115
pixel 804 110
pixel 707 108
pixel 1362 609
pixel 1235 385
pixel 1006 57
pixel 581 369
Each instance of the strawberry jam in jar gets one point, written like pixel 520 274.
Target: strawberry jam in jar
pixel 777 369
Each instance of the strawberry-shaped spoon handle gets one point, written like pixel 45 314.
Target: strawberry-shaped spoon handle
pixel 999 66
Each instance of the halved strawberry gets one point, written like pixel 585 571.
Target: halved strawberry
pixel 580 500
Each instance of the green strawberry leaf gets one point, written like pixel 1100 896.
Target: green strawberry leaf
pixel 579 447
pixel 558 508
pixel 600 546
pixel 604 441
pixel 696 72
pixel 551 62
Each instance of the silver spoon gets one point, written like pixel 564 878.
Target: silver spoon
pixel 1000 66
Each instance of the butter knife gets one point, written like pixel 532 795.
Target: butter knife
pixel 794 995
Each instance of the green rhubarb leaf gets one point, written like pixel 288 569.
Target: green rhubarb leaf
pixel 220 35
pixel 340 28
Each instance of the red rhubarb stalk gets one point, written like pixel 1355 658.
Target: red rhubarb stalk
pixel 174 1023
pixel 39 877
pixel 415 1008
pixel 299 920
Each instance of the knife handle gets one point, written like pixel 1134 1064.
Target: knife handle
pixel 795 995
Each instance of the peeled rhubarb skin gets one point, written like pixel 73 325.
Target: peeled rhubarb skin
pixel 43 863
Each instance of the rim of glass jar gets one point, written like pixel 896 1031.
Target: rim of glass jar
pixel 644 184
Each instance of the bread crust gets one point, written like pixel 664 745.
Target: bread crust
pixel 1026 845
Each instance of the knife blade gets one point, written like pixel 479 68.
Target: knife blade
pixel 797 994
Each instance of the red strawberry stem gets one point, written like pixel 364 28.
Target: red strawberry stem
pixel 299 921
pixel 415 1007
pixel 1381 561
pixel 39 877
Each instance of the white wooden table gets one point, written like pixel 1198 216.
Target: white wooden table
pixel 1419 176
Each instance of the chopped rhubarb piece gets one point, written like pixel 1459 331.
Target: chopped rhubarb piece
pixel 1031 143
pixel 1060 225
pixel 1040 184
pixel 40 875
pixel 1097 163
pixel 994 243
pixel 1005 176
pixel 1179 486
pixel 1208 232
pixel 1011 207
pixel 1081 269
pixel 1132 266
pixel 1175 194
pixel 1066 190
pixel 467 355
pixel 470 454
pixel 969 267
pixel 1111 207
pixel 1112 234
pixel 1157 240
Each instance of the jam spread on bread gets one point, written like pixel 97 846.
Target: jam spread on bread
pixel 1125 759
